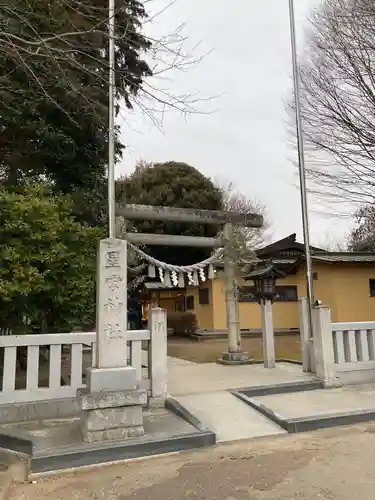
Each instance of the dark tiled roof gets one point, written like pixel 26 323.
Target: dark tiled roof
pixel 318 255
pixel 345 257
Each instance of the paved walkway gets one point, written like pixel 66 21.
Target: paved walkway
pixel 332 464
pixel 193 378
pixel 345 399
pixel 203 390
pixel 229 417
pixel 173 362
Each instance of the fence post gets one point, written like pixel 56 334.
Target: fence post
pixel 157 365
pixel 323 346
pixel 306 345
pixel 268 336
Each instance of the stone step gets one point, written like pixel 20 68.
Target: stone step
pixel 228 417
pixel 316 409
pixel 55 444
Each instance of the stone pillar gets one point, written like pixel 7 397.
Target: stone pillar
pixel 157 362
pixel 323 346
pixel 112 402
pixel 235 354
pixel 306 344
pixel 268 334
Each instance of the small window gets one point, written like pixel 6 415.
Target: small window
pixel 204 296
pixel 286 293
pixel 189 302
pixel 372 287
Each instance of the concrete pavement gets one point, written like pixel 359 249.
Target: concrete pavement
pixel 228 417
pixel 331 464
pixel 203 390
pixel 193 378
pixel 345 399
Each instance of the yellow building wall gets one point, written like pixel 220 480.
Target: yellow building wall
pixel 203 312
pixel 324 286
pixel 168 304
pixel 285 314
pixel 167 299
pixel 344 288
pixel 351 291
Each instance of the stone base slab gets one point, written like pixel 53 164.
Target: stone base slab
pixel 235 358
pixel 118 434
pixel 51 448
pixel 112 418
pixel 111 415
pixel 110 399
pixel 111 424
pixel 111 379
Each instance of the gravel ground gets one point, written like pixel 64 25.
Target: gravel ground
pixel 331 464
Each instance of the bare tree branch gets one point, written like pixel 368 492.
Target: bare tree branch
pixel 331 244
pixel 362 238
pixel 83 32
pixel 236 201
pixel 338 102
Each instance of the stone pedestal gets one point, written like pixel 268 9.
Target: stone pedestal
pixel 111 415
pixel 235 358
pixel 111 405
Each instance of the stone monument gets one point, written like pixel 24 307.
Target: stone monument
pixel 111 404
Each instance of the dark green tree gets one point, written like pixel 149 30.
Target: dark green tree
pixel 54 92
pixel 47 262
pixel 172 184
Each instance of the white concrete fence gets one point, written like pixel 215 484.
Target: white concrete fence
pixel 56 363
pixel 339 352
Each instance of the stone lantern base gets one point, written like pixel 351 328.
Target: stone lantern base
pixel 235 358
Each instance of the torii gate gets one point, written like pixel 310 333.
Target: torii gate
pixel 234 355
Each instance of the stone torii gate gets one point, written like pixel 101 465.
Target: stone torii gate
pixel 234 355
pixel 112 402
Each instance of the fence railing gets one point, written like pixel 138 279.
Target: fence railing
pixel 52 366
pixel 343 352
pixel 353 346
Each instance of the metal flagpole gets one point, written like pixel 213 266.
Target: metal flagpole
pixel 111 145
pixel 111 121
pixel 301 165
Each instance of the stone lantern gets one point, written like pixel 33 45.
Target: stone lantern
pixel 264 277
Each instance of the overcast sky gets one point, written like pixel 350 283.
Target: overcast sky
pixel 244 140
